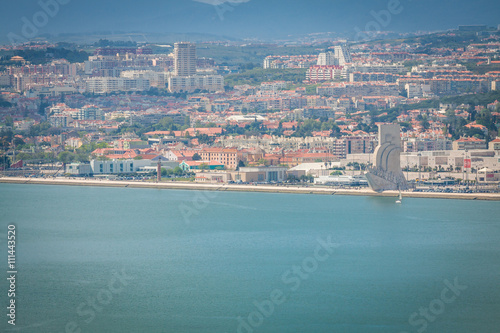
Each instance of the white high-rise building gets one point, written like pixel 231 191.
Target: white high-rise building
pixel 184 59
pixel 185 77
pixel 326 59
pixel 339 57
pixel 342 54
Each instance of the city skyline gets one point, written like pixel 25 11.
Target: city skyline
pixel 250 166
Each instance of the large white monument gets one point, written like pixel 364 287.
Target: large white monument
pixel 386 173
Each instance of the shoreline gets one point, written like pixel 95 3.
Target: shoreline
pixel 247 188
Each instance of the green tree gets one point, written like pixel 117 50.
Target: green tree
pixel 204 139
pixel 485 118
pixel 264 162
pixel 18 142
pixel 178 171
pixel 4 103
pixel 165 124
pixel 9 122
pixel 425 123
pixel 102 145
pixel 65 157
pixel 40 129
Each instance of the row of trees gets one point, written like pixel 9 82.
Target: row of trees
pixel 164 124
pixel 438 168
pixel 38 57
pixel 304 179
pixel 456 125
pixel 304 128
pixel 256 76
pixel 175 172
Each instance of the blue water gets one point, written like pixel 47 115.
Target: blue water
pixel 192 261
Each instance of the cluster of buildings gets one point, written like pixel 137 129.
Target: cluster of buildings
pixel 217 165
pixel 60 115
pixel 118 69
pixel 185 77
pixel 289 61
pixel 252 132
pixel 139 72
pixel 441 76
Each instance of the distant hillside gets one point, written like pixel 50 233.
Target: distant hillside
pixel 37 57
pixel 138 37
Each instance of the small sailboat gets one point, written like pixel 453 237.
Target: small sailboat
pixel 400 198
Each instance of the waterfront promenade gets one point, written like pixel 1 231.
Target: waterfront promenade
pixel 282 188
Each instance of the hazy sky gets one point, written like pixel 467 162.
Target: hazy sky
pixel 242 18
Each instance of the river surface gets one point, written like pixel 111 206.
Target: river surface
pixel 96 259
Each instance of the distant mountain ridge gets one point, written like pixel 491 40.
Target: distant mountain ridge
pixel 263 19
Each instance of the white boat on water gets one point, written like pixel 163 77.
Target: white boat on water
pixel 400 198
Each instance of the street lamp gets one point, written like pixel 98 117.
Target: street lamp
pixel 407 167
pixel 477 178
pixel 419 168
pixel 463 169
pixel 466 173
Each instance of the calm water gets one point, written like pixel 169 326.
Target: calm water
pixel 194 262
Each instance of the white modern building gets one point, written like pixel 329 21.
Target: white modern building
pixel 211 83
pixel 103 85
pixel 342 54
pixel 323 73
pixel 128 166
pixel 372 68
pixel 156 79
pixel 326 59
pixel 185 78
pixel 90 112
pixel 118 166
pixel 78 169
pixel 184 59
pixel 417 90
pixel 273 86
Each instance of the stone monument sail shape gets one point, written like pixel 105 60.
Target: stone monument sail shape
pixel 386 173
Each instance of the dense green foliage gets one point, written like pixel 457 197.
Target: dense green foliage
pixel 252 53
pixel 306 127
pixel 44 128
pixel 37 57
pixel 4 103
pixel 436 40
pixel 118 43
pixel 481 69
pixel 258 75
pixel 473 99
pixel 164 124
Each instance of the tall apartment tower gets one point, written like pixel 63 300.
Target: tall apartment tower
pixel 326 59
pixel 184 59
pixel 342 54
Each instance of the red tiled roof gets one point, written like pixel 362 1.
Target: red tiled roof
pixel 471 139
